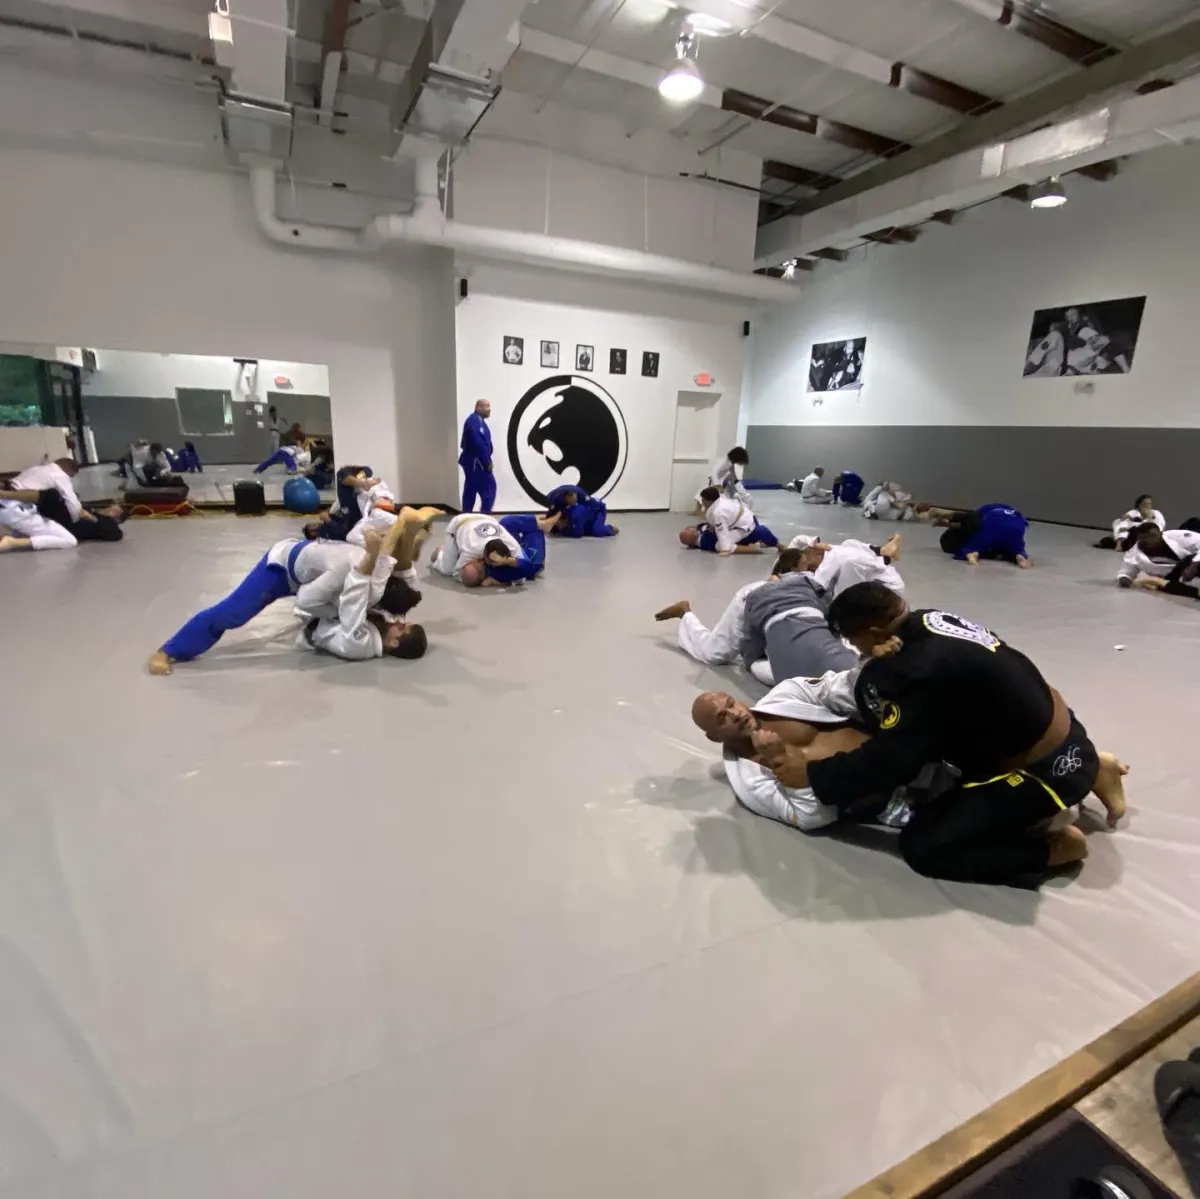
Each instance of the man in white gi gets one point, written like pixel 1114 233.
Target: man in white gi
pixel 726 475
pixel 315 572
pixel 811 713
pixel 480 550
pixel 811 491
pixel 888 501
pixel 23 528
pixel 728 527
pixel 1157 557
pixel 49 488
pixel 837 567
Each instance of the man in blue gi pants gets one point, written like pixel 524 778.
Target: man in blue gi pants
pixel 993 531
pixel 579 514
pixel 476 460
pixel 847 489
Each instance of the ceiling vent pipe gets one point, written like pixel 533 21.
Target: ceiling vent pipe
pixel 428 225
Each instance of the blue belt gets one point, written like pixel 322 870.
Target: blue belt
pixel 293 554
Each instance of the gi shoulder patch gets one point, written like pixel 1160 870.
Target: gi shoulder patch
pixel 946 624
pixel 889 716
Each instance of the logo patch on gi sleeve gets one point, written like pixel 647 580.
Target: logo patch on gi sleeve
pixel 889 715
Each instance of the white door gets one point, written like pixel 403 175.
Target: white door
pixel 696 417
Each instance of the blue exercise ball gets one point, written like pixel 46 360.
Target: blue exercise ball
pixel 300 495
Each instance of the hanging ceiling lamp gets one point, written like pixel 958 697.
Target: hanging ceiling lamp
pixel 683 83
pixel 1048 195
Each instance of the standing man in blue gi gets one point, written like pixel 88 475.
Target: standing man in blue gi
pixel 476 460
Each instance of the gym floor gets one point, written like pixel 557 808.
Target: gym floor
pixel 484 925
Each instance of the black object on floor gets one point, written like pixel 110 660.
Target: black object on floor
pixel 1177 1092
pixel 1067 1159
pixel 248 498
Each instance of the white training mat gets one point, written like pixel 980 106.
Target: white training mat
pixel 484 926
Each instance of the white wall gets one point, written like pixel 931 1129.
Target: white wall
pixel 690 334
pixel 131 255
pixel 133 373
pixel 947 319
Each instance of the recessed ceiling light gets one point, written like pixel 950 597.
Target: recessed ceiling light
pixel 1048 195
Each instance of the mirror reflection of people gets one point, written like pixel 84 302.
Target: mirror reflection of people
pixel 475 458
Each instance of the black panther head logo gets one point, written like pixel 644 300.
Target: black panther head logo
pixel 567 429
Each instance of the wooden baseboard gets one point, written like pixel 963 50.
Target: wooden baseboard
pixel 938 1166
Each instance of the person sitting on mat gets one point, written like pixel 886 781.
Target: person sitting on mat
pixel 994 531
pixel 480 551
pixel 810 487
pixel 728 528
pixel 1125 527
pixel 847 489
pixel 954 692
pixel 314 572
pixel 579 514
pixel 186 460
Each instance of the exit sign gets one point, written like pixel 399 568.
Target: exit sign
pixel 704 379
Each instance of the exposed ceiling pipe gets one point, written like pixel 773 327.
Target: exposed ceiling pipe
pixel 334 47
pixel 428 225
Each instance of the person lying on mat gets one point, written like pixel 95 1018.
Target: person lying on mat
pixel 836 567
pixel 579 514
pixel 818 716
pixel 100 523
pixel 480 550
pixel 1160 555
pixel 889 501
pixel 728 528
pixel 954 692
pixel 315 572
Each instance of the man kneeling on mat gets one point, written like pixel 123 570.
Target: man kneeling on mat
pixel 728 528
pixel 579 514
pixel 316 573
pixel 953 692
pixel 480 551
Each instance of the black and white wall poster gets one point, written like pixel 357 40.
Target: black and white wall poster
pixel 584 357
pixel 1084 339
pixel 837 365
pixel 550 354
pixel 616 361
pixel 650 364
pixel 514 350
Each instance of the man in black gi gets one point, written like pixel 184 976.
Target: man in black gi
pixel 952 691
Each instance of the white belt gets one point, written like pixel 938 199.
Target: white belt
pixel 802 611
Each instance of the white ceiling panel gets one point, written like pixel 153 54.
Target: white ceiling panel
pixel 770 141
pixel 1122 20
pixel 893 29
pixel 992 60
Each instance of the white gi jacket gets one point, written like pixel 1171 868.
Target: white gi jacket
pixel 731 522
pixel 1185 544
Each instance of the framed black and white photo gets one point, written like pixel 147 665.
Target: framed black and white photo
pixel 616 361
pixel 585 356
pixel 1084 339
pixel 550 354
pixel 650 364
pixel 514 350
pixel 837 365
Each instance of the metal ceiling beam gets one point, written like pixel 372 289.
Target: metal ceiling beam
pixel 1021 18
pixel 801 176
pixel 1115 74
pixel 940 91
pixel 851 136
pixel 831 255
pixel 1101 172
pixel 895 236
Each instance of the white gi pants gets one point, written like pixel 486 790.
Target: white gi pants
pixel 717 646
pixel 445 558
pixel 23 520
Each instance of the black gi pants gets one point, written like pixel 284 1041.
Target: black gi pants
pixel 52 506
pixel 985 831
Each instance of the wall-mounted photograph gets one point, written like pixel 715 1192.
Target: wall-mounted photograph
pixel 616 361
pixel 514 350
pixel 837 365
pixel 550 354
pixel 585 356
pixel 650 364
pixel 1084 339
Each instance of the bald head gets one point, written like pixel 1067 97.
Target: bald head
pixel 68 466
pixel 473 573
pixel 722 718
pixel 484 408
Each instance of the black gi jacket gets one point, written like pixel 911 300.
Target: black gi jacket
pixel 954 693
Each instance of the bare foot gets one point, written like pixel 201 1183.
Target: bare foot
pixel 972 559
pixel 1068 845
pixel 1023 562
pixel 674 611
pixel 615 530
pixel 1149 583
pixel 1109 788
pixel 8 544
pixel 546 523
pixel 891 547
pixel 159 663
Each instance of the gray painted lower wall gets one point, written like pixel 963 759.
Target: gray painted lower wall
pixel 1084 476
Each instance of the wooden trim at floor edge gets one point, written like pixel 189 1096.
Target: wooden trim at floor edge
pixel 946 1161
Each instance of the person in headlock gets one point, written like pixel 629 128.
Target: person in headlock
pixel 579 514
pixel 953 692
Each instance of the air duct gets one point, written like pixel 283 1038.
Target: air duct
pixel 427 225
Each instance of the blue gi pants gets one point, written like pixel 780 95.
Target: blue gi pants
pixel 587 518
pixel 759 535
pixel 254 594
pixel 284 456
pixel 478 483
pixel 532 541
